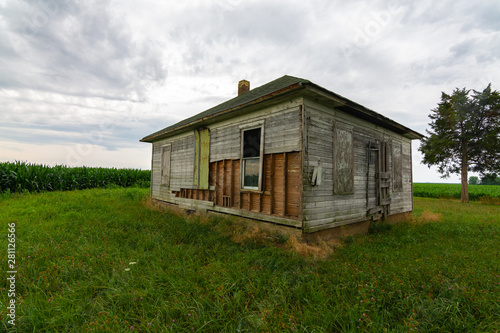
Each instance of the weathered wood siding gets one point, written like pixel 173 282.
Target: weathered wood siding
pixel 322 207
pixel 280 196
pixel 181 166
pixel 281 132
pixel 156 170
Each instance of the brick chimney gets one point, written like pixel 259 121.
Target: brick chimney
pixel 243 87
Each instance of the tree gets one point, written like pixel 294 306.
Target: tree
pixel 464 135
pixel 490 179
pixel 473 180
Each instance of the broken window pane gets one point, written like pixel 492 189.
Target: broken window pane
pixel 251 143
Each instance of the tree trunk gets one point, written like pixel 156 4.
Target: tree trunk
pixel 465 185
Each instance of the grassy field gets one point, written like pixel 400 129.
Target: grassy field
pixel 27 177
pixel 452 191
pixel 105 260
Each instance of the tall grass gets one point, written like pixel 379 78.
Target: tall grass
pixel 22 177
pixel 104 261
pixel 452 191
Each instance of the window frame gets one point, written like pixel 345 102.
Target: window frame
pixel 243 129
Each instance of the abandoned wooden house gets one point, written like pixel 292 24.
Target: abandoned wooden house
pixel 289 152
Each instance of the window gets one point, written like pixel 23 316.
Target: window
pixel 251 158
pixel 165 165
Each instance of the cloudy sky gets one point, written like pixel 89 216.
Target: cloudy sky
pixel 82 81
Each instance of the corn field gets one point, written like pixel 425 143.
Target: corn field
pixel 453 191
pixel 27 177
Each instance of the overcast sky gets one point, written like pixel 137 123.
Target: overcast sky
pixel 81 82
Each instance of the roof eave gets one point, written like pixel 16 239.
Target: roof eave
pixel 362 112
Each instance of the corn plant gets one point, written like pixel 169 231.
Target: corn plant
pixel 21 177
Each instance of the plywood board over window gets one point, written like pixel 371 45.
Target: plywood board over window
pixel 165 165
pixel 343 159
pixel 397 166
pixel 201 158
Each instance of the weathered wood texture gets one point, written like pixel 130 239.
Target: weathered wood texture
pixel 181 166
pixel 343 160
pixel 287 171
pixel 280 195
pixel 397 165
pixel 156 170
pixel 281 177
pixel 322 206
pixel 182 163
pixel 281 134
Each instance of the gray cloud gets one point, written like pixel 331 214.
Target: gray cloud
pixel 76 48
pixel 67 67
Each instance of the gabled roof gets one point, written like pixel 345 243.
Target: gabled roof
pixel 269 91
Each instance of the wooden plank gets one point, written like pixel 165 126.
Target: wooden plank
pixel 266 203
pixel 294 184
pixel 204 163
pixel 271 188
pixel 258 216
pixel 374 210
pixel 343 160
pixel 231 179
pixel 255 202
pixel 284 182
pixel 236 184
pixel 385 201
pixel 240 194
pixel 223 177
pixel 196 178
pixel 216 183
pixel 385 175
pixel 384 184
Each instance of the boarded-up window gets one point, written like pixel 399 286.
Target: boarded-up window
pixel 397 166
pixel 343 160
pixel 201 158
pixel 251 156
pixel 165 165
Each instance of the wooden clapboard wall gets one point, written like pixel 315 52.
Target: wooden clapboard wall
pixel 181 165
pixel 280 194
pixel 281 132
pixel 333 203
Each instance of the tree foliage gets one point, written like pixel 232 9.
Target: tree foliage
pixel 490 179
pixel 464 134
pixel 474 180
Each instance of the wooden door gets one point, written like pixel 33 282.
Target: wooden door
pixel 378 182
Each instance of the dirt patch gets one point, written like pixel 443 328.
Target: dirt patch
pixel 426 217
pixel 244 232
pixel 489 200
pixel 319 250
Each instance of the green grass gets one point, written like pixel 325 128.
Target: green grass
pixel 27 177
pixel 452 191
pixel 98 260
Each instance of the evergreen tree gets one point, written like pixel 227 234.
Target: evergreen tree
pixel 464 134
